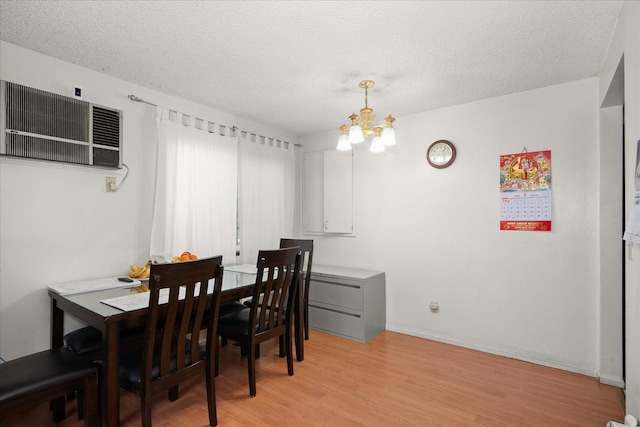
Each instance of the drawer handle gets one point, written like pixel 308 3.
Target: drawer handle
pixel 335 311
pixel 336 284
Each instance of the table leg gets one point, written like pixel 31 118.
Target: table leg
pixel 57 325
pixel 299 323
pixel 110 371
pixel 57 334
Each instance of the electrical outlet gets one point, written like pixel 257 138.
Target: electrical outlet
pixel 111 184
pixel 434 306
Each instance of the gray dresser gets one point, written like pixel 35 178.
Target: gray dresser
pixel 347 302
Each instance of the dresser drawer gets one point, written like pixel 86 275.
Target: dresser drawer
pixel 349 324
pixel 340 294
pixel 347 302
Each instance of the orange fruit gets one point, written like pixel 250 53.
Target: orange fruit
pixel 192 256
pixel 185 257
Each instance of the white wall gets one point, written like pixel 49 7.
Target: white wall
pixel 625 44
pixel 529 295
pixel 611 251
pixel 57 222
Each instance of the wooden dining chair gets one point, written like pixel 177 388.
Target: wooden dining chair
pixel 266 318
pixel 178 301
pixel 306 245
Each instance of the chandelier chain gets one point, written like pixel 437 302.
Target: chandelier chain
pixel 366 97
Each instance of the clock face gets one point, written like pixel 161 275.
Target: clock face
pixel 441 154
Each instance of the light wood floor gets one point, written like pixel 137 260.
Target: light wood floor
pixel 394 380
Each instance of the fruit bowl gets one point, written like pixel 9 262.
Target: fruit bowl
pixel 184 256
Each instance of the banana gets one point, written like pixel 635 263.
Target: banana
pixel 135 273
pixel 140 272
pixel 145 271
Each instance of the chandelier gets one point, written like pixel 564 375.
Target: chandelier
pixel 362 126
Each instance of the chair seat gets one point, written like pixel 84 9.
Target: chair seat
pixel 42 371
pixel 226 309
pixel 89 339
pixel 131 369
pixel 84 340
pixel 231 307
pixel 237 322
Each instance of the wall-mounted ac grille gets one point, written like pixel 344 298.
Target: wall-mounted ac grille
pixel 41 125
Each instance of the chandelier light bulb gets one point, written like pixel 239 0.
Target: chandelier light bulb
pixel 389 137
pixel 389 134
pixel 355 131
pixel 376 145
pixel 355 135
pixel 343 140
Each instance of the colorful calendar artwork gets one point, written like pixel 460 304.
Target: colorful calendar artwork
pixel 525 191
pixel 638 166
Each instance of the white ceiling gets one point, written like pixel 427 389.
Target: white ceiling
pixel 297 64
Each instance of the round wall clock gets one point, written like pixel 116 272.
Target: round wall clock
pixel 441 154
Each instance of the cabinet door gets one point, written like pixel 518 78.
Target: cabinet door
pixel 338 192
pixel 312 193
pixel 327 192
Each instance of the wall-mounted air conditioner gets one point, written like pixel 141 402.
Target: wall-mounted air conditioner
pixel 35 124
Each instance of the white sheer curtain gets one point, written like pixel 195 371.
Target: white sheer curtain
pixel 196 191
pixel 267 188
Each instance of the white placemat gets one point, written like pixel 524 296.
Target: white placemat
pixel 139 300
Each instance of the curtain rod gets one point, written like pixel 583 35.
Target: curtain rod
pixel 233 128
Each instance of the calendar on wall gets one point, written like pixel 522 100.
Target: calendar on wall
pixel 525 191
pixel 632 230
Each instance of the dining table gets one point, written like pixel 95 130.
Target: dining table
pixel 105 308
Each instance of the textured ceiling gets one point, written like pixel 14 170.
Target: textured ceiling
pixel 297 64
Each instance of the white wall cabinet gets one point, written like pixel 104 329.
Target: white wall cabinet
pixel 328 193
pixel 347 302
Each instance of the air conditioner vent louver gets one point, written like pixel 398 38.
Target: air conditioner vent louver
pixel 46 149
pixel 43 125
pixel 106 126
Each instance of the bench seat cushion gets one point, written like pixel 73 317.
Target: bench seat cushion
pixel 42 371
